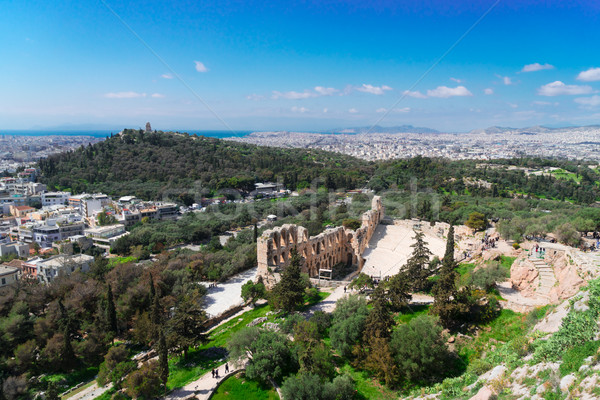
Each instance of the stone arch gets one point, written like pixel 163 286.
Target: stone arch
pixel 283 237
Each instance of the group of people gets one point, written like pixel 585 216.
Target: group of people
pixel 212 285
pixel 539 249
pixel 488 242
pixel 215 372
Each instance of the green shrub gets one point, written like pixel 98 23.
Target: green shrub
pixel 479 366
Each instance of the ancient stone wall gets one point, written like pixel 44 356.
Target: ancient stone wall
pixel 324 251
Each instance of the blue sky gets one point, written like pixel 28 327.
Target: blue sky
pixel 303 65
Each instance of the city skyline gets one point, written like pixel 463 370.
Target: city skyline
pixel 314 66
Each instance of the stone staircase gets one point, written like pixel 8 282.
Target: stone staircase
pixel 547 277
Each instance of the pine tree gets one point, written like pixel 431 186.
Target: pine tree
pixel 376 338
pixel 417 265
pixel 163 359
pixel 111 312
pixel 379 321
pixel 288 293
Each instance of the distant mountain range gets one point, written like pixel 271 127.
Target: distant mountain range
pixel 382 129
pixel 493 130
pixel 532 130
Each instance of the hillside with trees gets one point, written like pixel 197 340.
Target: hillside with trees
pixel 151 165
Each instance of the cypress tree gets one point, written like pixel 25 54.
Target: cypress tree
pixel 155 316
pixel 111 312
pixel 255 232
pixel 152 290
pixel 446 301
pixel 67 327
pixel 163 359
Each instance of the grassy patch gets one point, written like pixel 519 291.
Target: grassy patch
pixel 367 387
pixel 72 378
pixel 241 388
pixel 566 175
pixel 405 316
pixel 573 358
pixel 507 262
pixel 508 326
pixel 465 268
pixel 114 261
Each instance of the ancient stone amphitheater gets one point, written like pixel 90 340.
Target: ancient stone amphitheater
pixel 321 252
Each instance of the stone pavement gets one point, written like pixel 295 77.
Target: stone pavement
pixel 389 249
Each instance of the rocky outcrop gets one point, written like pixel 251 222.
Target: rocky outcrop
pixel 524 277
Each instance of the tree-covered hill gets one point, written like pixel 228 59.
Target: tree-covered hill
pixel 554 179
pixel 152 165
pixel 149 165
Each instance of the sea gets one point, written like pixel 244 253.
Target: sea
pixel 104 133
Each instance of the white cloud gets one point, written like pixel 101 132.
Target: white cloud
pixel 325 91
pixel 255 97
pixel 416 94
pixel 506 80
pixel 306 94
pixel 536 67
pixel 378 90
pixel 558 88
pixel 513 105
pixel 592 74
pixel 301 110
pixel 200 67
pixel 488 91
pixel 588 101
pixel 545 103
pixel 124 95
pixel 158 95
pixel 395 110
pixel 445 92
pixel 456 80
pixel 166 76
pixel 353 111
pixel 292 95
pixel 325 110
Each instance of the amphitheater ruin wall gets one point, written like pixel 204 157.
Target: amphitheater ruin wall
pixel 321 252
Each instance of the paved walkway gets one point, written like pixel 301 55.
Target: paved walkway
pixel 227 294
pixel 91 392
pixel 328 305
pixel 203 387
